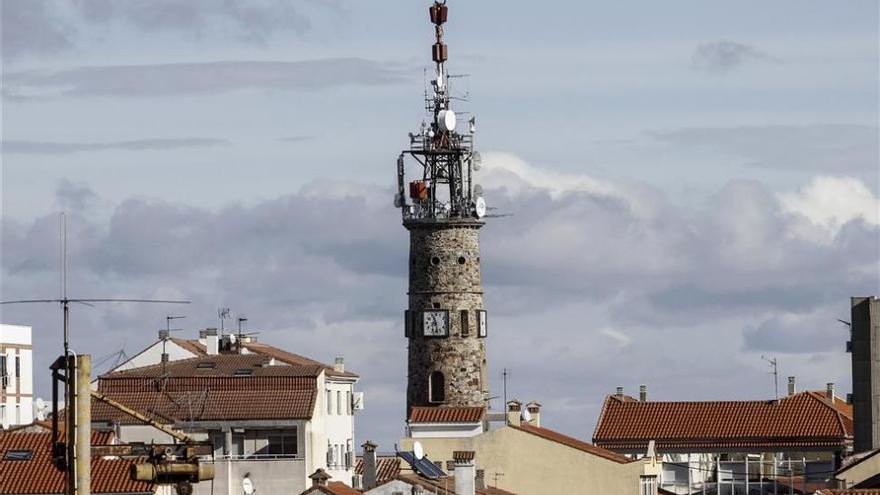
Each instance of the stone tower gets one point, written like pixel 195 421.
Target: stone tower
pixel 443 210
pixel 865 348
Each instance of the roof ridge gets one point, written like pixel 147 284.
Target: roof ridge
pixel 824 401
pixel 602 416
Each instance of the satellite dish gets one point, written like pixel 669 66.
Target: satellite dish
pixel 232 338
pixel 476 160
pixel 40 406
pixel 446 120
pixel 418 451
pixel 480 207
pixel 526 416
pixel 247 485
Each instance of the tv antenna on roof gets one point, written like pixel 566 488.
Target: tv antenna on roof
pixel 775 365
pixel 71 457
pixel 223 314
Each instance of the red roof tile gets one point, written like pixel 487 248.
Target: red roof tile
pixel 574 443
pixel 39 476
pixel 221 365
pixel 209 405
pixel 293 359
pixel 445 414
pixel 388 467
pixel 803 420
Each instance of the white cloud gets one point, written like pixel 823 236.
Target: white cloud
pixel 829 203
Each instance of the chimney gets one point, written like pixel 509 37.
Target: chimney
pixel 212 341
pixel 465 472
pixel 643 393
pixel 619 392
pixel 534 409
pixel 514 412
pixel 792 386
pixel 829 391
pixel 339 365
pixel 319 478
pixel 370 465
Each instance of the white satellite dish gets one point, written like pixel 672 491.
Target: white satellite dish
pixel 247 485
pixel 526 416
pixel 476 160
pixel 41 408
pixel 480 207
pixel 446 120
pixel 418 450
pixel 232 338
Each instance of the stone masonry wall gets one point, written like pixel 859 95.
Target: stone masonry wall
pixel 444 273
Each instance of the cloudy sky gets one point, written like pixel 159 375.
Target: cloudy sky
pixel 691 185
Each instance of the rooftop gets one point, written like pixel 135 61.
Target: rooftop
pixel 446 414
pixel 803 420
pixel 35 473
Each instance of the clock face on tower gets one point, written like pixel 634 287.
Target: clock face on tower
pixel 482 329
pixel 435 323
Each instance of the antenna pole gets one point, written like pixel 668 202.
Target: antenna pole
pixel 775 365
pixel 504 379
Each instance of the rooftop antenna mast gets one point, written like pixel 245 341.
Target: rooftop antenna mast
pixel 775 365
pixel 223 314
pixel 444 188
pixel 166 336
pixel 75 462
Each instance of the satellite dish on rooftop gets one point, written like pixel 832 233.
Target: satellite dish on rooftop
pixel 41 408
pixel 418 451
pixel 247 485
pixel 525 415
pixel 476 160
pixel 446 120
pixel 232 338
pixel 480 207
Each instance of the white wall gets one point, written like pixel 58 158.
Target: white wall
pixel 16 398
pixel 339 427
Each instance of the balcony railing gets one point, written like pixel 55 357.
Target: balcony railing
pixel 254 457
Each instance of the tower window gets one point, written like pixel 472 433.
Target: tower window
pixel 435 261
pixel 465 330
pixel 437 387
pixel 461 260
pixel 436 305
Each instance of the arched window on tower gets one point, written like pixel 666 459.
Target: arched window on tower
pixel 437 387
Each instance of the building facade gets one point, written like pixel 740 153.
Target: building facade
pixel 797 442
pixel 273 417
pixel 16 376
pixel 865 349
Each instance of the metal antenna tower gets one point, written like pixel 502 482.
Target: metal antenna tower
pixel 444 189
pixel 68 363
pixel 775 365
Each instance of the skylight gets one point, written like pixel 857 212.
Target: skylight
pixel 18 455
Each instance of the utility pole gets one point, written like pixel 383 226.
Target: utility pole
pixel 77 391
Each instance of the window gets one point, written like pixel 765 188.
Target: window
pixel 206 365
pixel 18 455
pixel 17 366
pixel 243 372
pixel 282 443
pixel 338 402
pixel 465 331
pixel 437 387
pixel 329 402
pixel 647 485
pixel 4 379
pixel 348 402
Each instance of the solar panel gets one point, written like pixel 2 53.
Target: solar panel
pixel 423 466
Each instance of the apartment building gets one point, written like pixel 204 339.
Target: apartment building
pixel 16 376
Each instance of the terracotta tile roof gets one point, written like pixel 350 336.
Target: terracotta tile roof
pixel 574 443
pixel 193 346
pixel 293 359
pixel 445 414
pixel 39 476
pixel 803 420
pixel 209 405
pixel 229 365
pixel 388 467
pixel 447 483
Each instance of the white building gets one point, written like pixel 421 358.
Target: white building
pixel 273 416
pixel 16 376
